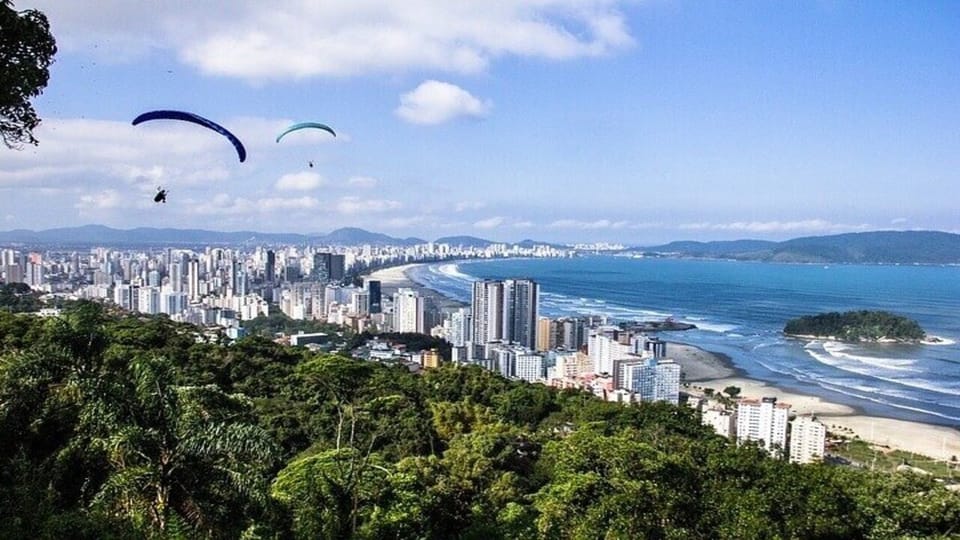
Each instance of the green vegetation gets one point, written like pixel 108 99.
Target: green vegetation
pixel 413 341
pixel 884 459
pixel 115 426
pixel 278 322
pixel 19 298
pixel 26 52
pixel 856 326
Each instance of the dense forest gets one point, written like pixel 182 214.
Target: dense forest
pixel 118 426
pixel 18 298
pixel 856 326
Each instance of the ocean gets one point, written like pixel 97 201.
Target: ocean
pixel 740 309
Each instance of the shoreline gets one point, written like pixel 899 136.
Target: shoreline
pixel 395 277
pixel 708 369
pixel 929 340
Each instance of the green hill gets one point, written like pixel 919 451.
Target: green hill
pixel 118 426
pixel 857 326
pixel 879 247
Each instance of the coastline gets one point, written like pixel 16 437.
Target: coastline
pixel 707 369
pixel 395 277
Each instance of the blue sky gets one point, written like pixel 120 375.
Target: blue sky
pixel 563 120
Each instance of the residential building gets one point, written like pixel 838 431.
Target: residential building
pixel 529 367
pixel 408 311
pixel 763 420
pixel 808 439
pixel 722 421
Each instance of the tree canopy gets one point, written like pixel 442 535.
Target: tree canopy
pixel 123 426
pixel 856 326
pixel 26 52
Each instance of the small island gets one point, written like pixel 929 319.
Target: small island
pixel 666 325
pixel 864 325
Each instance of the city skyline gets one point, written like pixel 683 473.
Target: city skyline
pixel 563 121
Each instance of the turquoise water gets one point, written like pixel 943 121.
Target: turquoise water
pixel 740 309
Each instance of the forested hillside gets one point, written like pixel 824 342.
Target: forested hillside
pixel 114 426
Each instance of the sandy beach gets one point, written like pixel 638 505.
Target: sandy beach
pixel 938 442
pixel 705 369
pixel 395 277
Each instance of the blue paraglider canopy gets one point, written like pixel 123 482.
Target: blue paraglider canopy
pixel 305 125
pixel 196 119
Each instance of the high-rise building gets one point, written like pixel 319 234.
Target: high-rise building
pixel 360 303
pixel 176 277
pixel 529 367
pixel 520 312
pixel 763 420
pixel 329 266
pixel 407 311
pixel 148 300
pixel 574 334
pixel 545 334
pixel 337 267
pixel 722 421
pixel 460 327
pixel 603 347
pixel 808 438
pixel 123 296
pixel 505 311
pixel 193 280
pixel 653 380
pixel 13 273
pixel 487 313
pixel 376 301
pixel 172 302
pixel 270 268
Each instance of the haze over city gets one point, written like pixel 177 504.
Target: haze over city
pixel 564 120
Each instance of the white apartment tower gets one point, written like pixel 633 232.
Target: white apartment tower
pixel 460 327
pixel 763 420
pixel 603 349
pixel 529 367
pixel 520 312
pixel 407 311
pixel 193 280
pixel 487 311
pixel 653 380
pixel 808 438
pixel 723 422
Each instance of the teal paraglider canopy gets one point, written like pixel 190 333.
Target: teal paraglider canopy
pixel 196 119
pixel 306 125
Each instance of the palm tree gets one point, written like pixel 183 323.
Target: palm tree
pixel 179 456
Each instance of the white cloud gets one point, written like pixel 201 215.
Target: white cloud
pixel 292 39
pixel 401 222
pixel 302 181
pixel 523 225
pixel 577 224
pixel 279 203
pixel 808 225
pixel 469 205
pixel 899 221
pixel 489 223
pixel 80 152
pixel 225 205
pixel 435 102
pixel 357 205
pixel 108 198
pixel 362 182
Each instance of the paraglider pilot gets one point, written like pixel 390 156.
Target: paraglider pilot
pixel 161 196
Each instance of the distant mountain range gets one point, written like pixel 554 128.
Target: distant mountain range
pixel 905 247
pixel 101 235
pixel 880 247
